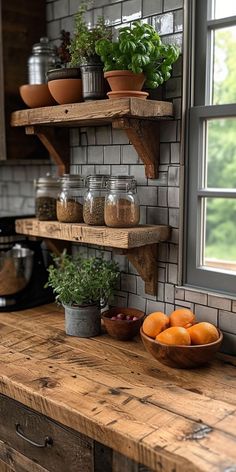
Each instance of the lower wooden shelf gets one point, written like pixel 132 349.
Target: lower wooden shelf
pixel 138 243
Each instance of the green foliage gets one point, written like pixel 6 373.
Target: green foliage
pixel 77 281
pixel 139 49
pixel 221 158
pixel 82 46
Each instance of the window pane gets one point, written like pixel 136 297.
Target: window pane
pixel 220 233
pixel 221 153
pixel 224 8
pixel 224 66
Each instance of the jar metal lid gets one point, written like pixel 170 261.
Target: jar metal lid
pixel 97 181
pixel 44 46
pixel 72 181
pixel 122 182
pixel 47 182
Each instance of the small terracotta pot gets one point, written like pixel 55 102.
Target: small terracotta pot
pixel 36 95
pixel 124 80
pixel 66 90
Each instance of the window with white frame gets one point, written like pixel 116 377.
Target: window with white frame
pixel 211 219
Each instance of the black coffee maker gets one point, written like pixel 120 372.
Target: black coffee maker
pixel 23 269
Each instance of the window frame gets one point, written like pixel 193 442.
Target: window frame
pixel 200 111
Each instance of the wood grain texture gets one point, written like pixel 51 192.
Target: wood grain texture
pixel 101 235
pixel 116 393
pixel 93 112
pixel 14 461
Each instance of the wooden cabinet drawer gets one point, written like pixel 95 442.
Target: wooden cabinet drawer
pixel 69 451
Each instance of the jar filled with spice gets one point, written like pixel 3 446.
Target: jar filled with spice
pixel 94 200
pixel 70 199
pixel 47 189
pixel 121 202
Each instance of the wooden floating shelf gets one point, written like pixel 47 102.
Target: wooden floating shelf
pixel 138 118
pixel 122 238
pixel 139 243
pixel 93 112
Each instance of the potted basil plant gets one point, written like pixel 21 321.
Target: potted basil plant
pixel 138 57
pixel 83 287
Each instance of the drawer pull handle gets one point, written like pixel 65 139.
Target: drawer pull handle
pixel 47 441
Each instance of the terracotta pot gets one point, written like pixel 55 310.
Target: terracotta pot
pixel 36 95
pixel 66 90
pixel 124 80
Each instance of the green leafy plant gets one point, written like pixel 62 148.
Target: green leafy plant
pixel 77 281
pixel 82 46
pixel 139 49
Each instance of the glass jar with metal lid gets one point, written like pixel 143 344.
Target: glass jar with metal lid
pixel 46 197
pixel 121 202
pixel 44 57
pixel 94 200
pixel 70 199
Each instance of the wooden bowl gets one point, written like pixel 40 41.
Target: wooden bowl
pixel 181 357
pixel 122 329
pixel 36 95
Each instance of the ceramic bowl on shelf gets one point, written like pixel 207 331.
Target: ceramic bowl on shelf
pixel 118 326
pixel 181 357
pixel 66 90
pixel 36 95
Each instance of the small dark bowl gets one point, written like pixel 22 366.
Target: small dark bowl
pixel 122 329
pixel 181 357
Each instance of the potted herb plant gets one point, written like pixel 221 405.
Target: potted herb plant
pixel 83 53
pixel 65 83
pixel 138 57
pixel 82 286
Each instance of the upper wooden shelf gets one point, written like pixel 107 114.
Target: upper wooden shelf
pixel 93 112
pixel 123 238
pixel 138 118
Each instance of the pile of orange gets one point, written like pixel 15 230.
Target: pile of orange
pixel 180 328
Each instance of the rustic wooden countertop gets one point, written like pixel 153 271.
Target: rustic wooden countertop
pixel 170 420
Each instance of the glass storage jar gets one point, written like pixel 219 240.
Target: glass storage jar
pixel 94 200
pixel 70 199
pixel 46 197
pixel 121 202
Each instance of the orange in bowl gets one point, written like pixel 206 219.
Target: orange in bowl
pixel 203 333
pixel 155 323
pixel 182 317
pixel 176 335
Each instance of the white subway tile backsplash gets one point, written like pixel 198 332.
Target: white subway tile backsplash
pixel 112 154
pixel 95 155
pixel 135 301
pixel 219 302
pixel 155 306
pixel 129 155
pixel 196 297
pixel 131 10
pixel 112 14
pixel 205 313
pixel 227 321
pixel 152 7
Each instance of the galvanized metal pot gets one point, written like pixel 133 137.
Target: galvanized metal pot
pixel 82 321
pixel 93 83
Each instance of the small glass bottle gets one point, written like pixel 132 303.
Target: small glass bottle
pixel 70 199
pixel 94 200
pixel 121 202
pixel 46 197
